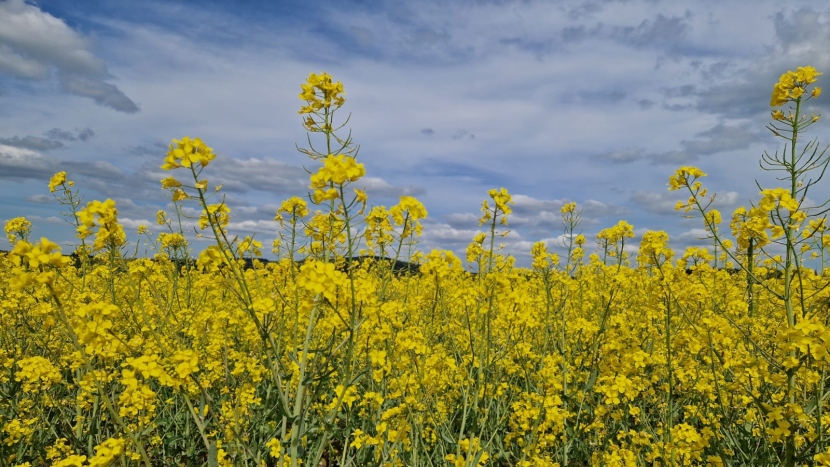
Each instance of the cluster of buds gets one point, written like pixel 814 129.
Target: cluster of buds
pixel 321 92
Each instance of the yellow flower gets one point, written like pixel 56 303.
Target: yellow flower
pixel 37 374
pixel 780 95
pixel 106 452
pixel 320 92
pixel 568 208
pixel 320 195
pixel 186 152
pixel 682 176
pixel 806 74
pixel 57 180
pixel 653 245
pixel 294 206
pixel 816 92
pixel 361 196
pixel 502 198
pixel 170 182
pixel 219 213
pixel 823 459
pixel 777 197
pixel 179 195
pixel 321 278
pixel 337 169
pixel 17 229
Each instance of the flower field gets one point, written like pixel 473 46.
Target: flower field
pixel 602 354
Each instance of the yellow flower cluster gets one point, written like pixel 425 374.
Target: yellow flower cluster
pixel 542 260
pixel 336 170
pixel 59 179
pixel 17 229
pixel 379 228
pixel 320 278
pixel 188 153
pixel 110 232
pixel 617 233
pixel 654 248
pixel 320 92
pixel 407 213
pixel 295 207
pixel 778 197
pixel 502 199
pixel 792 84
pixel 29 261
pixel 685 176
pixel 37 373
pixel 215 214
pixel 172 240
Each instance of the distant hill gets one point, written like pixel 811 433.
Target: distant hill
pixel 398 266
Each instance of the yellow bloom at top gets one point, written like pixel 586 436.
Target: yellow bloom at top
pixel 321 92
pixel 681 177
pixel 186 152
pixel 17 227
pixel 294 206
pixel 614 234
pixel 410 205
pixel 59 179
pixel 414 212
pixel 570 207
pixel 502 198
pixel 791 85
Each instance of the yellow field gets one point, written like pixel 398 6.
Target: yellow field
pixel 708 357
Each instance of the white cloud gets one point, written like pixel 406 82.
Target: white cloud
pixel 376 186
pixel 461 220
pixel 40 199
pixel 32 42
pixel 657 203
pixel 21 163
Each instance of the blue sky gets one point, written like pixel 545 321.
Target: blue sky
pixel 596 102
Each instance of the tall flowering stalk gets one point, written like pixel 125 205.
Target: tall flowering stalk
pixel 773 223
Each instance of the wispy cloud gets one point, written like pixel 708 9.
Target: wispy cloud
pixel 33 43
